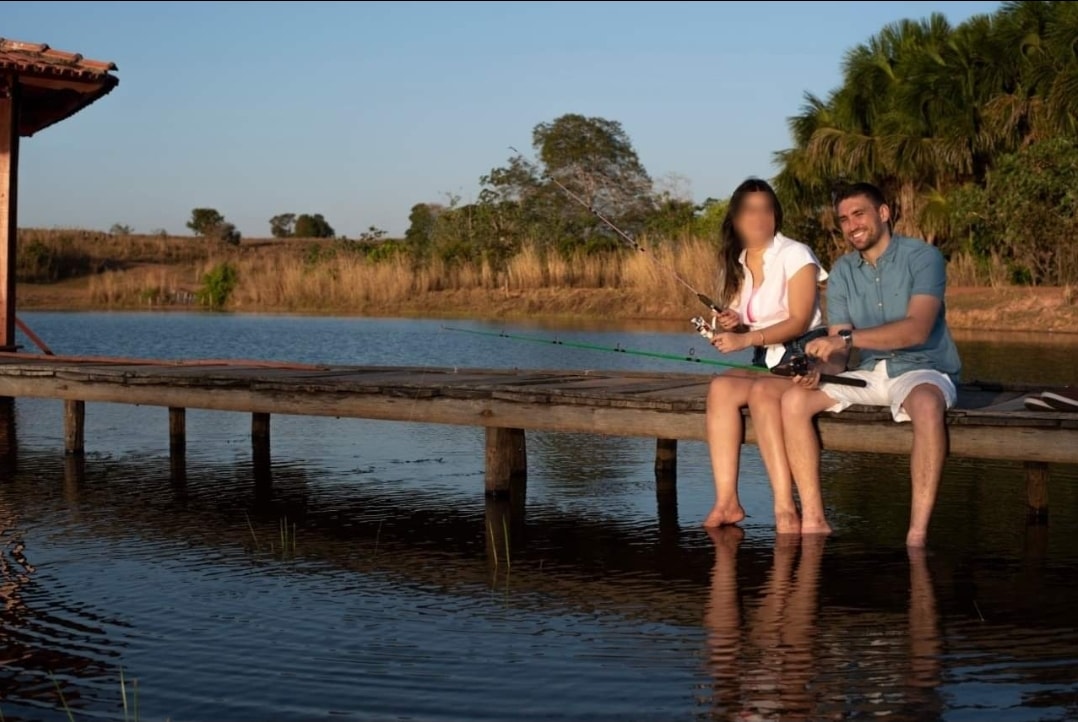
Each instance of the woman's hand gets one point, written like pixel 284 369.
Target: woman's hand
pixel 811 380
pixel 728 320
pixel 730 342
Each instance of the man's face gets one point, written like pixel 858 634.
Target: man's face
pixel 862 224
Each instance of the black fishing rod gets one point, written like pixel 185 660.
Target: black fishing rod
pixel 796 367
pixel 631 241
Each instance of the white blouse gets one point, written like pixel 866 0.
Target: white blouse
pixel 769 304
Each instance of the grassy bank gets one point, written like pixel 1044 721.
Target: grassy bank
pixel 79 270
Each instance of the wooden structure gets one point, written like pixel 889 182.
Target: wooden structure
pixel 39 87
pixel 989 421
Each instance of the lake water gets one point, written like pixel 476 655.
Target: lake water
pixel 361 574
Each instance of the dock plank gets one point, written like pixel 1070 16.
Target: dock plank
pixel 988 422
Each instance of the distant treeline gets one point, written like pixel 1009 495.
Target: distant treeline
pixel 971 130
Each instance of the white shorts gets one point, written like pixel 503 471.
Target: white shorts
pixel 885 391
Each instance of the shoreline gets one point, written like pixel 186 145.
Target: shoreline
pixel 1044 312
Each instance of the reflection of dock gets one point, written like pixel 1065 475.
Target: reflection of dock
pixel 989 423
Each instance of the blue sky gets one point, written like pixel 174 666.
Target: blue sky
pixel 360 110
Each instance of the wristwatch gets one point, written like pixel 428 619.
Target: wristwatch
pixel 847 336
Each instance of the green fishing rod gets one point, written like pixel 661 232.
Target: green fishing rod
pixel 795 367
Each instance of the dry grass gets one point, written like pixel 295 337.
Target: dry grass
pixel 322 277
pixel 963 270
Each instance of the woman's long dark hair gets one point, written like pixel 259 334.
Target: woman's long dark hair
pixel 732 274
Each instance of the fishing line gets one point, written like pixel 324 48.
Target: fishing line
pixel 629 239
pixel 691 356
pixel 796 366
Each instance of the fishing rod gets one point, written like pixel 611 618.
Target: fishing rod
pixel 631 241
pixel 798 366
pixel 691 356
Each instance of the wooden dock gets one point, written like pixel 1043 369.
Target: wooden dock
pixel 989 421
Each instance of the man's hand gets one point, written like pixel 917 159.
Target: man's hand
pixel 728 320
pixel 730 342
pixel 825 347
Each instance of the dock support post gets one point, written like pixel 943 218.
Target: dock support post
pixel 666 488
pixel 74 427
pixel 261 460
pixel 666 464
pixel 1037 491
pixel 8 441
pixel 177 432
pixel 506 461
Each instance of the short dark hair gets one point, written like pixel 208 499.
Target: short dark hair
pixel 852 190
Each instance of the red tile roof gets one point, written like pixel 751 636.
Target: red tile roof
pixel 55 84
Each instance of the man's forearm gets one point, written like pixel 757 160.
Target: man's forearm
pixel 890 336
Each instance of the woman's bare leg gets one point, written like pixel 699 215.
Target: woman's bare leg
pixel 765 405
pixel 726 396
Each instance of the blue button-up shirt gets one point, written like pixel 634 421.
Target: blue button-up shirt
pixel 864 296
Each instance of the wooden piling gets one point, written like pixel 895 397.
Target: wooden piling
pixel 666 464
pixel 260 428
pixel 506 460
pixel 74 427
pixel 1037 490
pixel 9 184
pixel 261 460
pixel 8 440
pixel 177 432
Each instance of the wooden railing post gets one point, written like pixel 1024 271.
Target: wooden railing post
pixel 74 427
pixel 9 204
pixel 506 460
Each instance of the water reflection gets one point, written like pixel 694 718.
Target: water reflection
pixel 770 659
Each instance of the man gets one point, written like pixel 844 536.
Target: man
pixel 884 298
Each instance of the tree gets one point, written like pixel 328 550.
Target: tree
pixel 420 233
pixel 595 158
pixel 205 221
pixel 1033 211
pixel 120 229
pixel 282 225
pixel 313 226
pixel 926 110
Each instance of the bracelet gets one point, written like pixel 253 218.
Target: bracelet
pixel 761 338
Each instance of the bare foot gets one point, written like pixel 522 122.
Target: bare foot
pixel 916 538
pixel 724 515
pixel 787 522
pixel 815 526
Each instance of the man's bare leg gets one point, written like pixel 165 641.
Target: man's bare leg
pixel 765 405
pixel 926 406
pixel 726 396
pixel 799 406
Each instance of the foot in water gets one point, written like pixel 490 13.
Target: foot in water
pixel 916 539
pixel 815 526
pixel 724 515
pixel 787 522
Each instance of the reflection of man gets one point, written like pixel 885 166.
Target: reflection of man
pixel 885 298
pixel 769 666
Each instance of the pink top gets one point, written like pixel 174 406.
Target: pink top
pixel 767 305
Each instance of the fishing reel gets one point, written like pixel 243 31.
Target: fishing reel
pixel 705 329
pixel 796 365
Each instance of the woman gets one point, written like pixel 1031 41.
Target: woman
pixel 770 293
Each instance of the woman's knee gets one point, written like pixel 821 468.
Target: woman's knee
pixel 796 403
pixel 765 392
pixel 727 390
